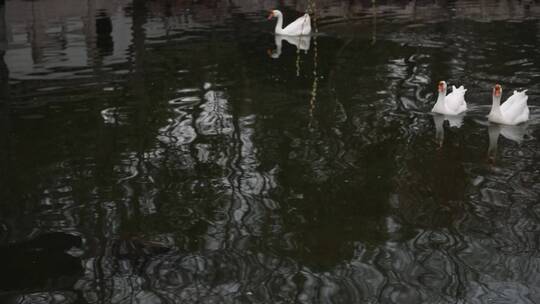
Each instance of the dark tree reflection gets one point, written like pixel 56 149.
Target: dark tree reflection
pixel 104 41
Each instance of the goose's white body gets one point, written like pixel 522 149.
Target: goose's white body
pixel 512 112
pixel 451 104
pixel 299 27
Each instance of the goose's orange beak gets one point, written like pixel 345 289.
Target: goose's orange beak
pixel 271 15
pixel 497 90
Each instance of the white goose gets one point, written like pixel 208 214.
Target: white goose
pixel 513 111
pixel 451 104
pixel 299 27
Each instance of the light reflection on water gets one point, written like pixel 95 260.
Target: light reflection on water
pixel 161 153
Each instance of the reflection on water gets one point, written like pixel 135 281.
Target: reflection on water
pixel 301 43
pixel 153 152
pixel 513 133
pixel 454 121
pixel 4 73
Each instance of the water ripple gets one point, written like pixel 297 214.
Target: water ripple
pixel 192 175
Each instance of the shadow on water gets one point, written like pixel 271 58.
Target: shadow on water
pixel 157 152
pixel 40 263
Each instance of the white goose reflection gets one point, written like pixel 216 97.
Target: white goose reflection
pixel 215 117
pixel 301 42
pixel 179 131
pixel 513 133
pixel 455 121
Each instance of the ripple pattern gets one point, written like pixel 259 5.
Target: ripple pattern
pixel 195 169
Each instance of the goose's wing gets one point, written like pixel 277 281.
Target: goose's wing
pixel 300 26
pixel 515 108
pixel 516 97
pixel 455 101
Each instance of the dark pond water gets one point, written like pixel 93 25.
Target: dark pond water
pixel 178 152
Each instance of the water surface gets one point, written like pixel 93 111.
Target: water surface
pixel 179 152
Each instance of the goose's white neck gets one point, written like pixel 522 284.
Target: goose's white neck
pixel 442 95
pixel 279 23
pixel 439 105
pixel 496 106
